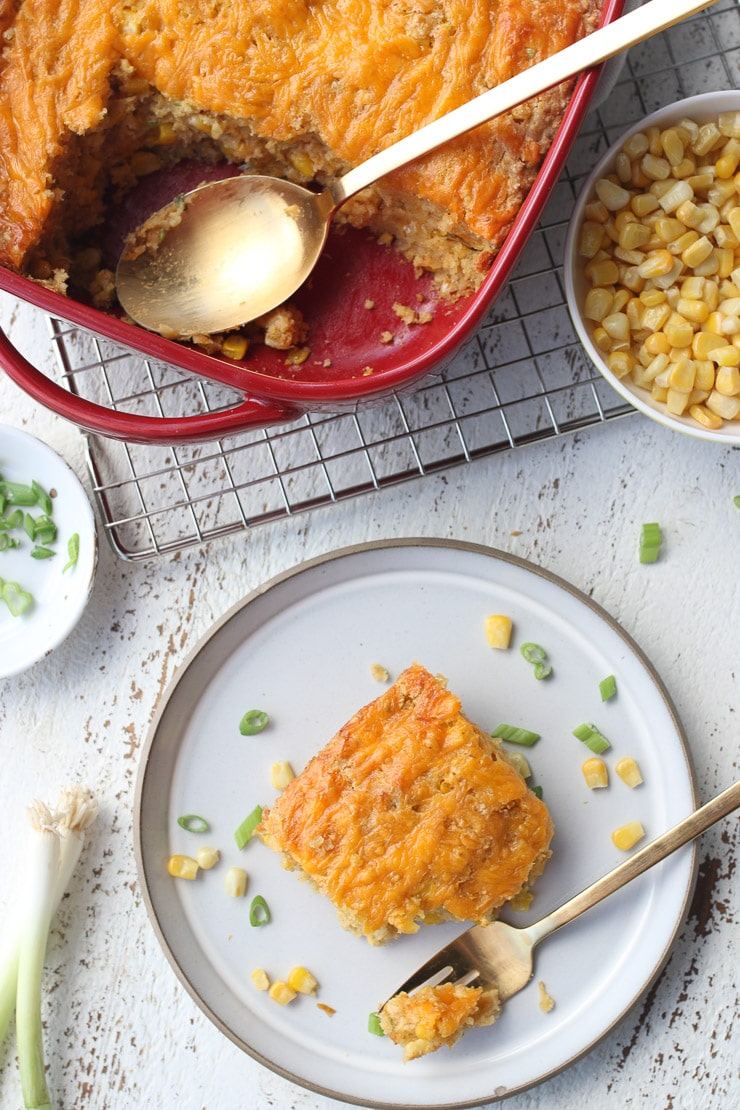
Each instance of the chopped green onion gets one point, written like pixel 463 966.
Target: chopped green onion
pixel 516 735
pixel 18 493
pixel 736 501
pixel 537 791
pixel 42 552
pixel 592 738
pixel 243 834
pixel 253 721
pixel 7 542
pixel 374 1026
pixel 191 822
pixel 650 540
pixel 15 520
pixel 16 598
pixel 29 526
pixel 536 654
pixel 259 911
pixel 42 498
pixel 73 551
pixel 608 687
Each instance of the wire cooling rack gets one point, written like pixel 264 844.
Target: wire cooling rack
pixel 523 378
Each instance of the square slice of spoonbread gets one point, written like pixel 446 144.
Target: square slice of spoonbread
pixel 411 814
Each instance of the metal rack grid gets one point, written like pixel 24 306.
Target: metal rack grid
pixel 522 379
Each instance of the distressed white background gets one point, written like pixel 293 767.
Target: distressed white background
pixel 120 1030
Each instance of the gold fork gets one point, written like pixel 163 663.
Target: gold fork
pixel 500 955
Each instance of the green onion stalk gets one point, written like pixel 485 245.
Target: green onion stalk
pixel 55 844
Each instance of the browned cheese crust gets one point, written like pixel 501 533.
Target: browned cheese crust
pixel 411 814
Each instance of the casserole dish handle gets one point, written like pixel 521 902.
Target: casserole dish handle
pixel 249 413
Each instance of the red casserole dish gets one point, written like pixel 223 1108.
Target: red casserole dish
pixel 349 363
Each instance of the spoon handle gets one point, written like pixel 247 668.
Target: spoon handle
pixel 591 50
pixel 688 829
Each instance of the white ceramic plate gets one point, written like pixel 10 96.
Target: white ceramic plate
pixel 705 106
pixel 59 596
pixel 301 648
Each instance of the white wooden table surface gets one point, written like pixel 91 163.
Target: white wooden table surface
pixel 120 1030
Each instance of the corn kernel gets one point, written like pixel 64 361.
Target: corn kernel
pixel 643 204
pixel 702 415
pixel 611 195
pixel 302 981
pixel 705 374
pixel 591 239
pixel 636 145
pixel 144 162
pixel 626 836
pixel 595 773
pixel 260 978
pixel 628 771
pixel 656 264
pixel 182 867
pixel 698 252
pixel 726 357
pixel 603 271
pixel 234 346
pixel 616 326
pixel 726 408
pixel 207 858
pixel 281 773
pixel 621 363
pixel 673 146
pixel 676 401
pixel 235 882
pixel 281 993
pixel 679 331
pixel 727 380
pixel 694 310
pixel 498 629
pixel 704 342
pixel 519 762
pixel 682 375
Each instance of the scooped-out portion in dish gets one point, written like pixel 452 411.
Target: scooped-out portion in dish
pixel 99 95
pixel 411 815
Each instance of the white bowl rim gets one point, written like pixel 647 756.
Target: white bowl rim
pixel 701 105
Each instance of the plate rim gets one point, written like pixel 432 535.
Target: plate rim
pixel 215 628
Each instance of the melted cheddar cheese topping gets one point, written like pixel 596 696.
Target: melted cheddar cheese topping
pixel 409 814
pixel 354 74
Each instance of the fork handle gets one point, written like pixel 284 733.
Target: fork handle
pixel 657 850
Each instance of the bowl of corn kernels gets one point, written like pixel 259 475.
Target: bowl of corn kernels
pixel 652 266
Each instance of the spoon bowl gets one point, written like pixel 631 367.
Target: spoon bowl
pixel 242 246
pixel 256 237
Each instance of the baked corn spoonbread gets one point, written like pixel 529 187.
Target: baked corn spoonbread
pixel 97 94
pixel 410 815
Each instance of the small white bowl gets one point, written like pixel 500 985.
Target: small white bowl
pixel 701 108
pixel 59 595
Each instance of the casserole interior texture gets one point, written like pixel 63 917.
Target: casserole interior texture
pixel 96 95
